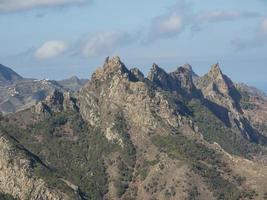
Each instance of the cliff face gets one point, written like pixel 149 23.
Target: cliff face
pixel 223 99
pixel 155 106
pixel 218 88
pixel 126 136
pixel 115 89
pixel 254 105
pixel 17 176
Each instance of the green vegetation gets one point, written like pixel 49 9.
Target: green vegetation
pixel 244 101
pixel 73 150
pixel 193 193
pixel 4 196
pixel 144 168
pixel 203 161
pixel 262 127
pixel 127 157
pixel 214 130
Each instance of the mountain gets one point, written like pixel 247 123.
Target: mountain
pixel 7 75
pixel 25 93
pixel 127 136
pixel 73 83
pixel 192 73
pixel 254 105
pixel 252 91
pixel 18 93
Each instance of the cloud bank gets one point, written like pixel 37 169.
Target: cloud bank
pixel 17 5
pixel 258 40
pixel 181 17
pixel 51 49
pixel 219 16
pixel 106 42
pixel 166 26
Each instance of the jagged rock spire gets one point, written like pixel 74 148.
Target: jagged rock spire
pixel 191 71
pixel 215 71
pixel 111 66
pixel 156 73
pixel 113 61
pixel 138 74
pixel 187 66
pixel 160 77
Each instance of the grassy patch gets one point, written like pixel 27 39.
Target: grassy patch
pixel 4 196
pixel 203 161
pixel 214 130
pixel 77 158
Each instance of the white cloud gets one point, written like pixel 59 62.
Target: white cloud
pixel 181 17
pixel 106 42
pixel 259 39
pixel 217 16
pixel 15 5
pixel 263 28
pixel 166 26
pixel 51 49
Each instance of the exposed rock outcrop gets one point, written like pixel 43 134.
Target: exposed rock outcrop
pixel 17 176
pixel 125 136
pixel 223 98
pixel 57 102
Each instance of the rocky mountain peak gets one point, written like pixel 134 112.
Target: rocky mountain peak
pixel 111 66
pixel 114 61
pixel 137 74
pixel 128 130
pixel 183 76
pixel 215 80
pixel 188 66
pixel 190 69
pixel 161 78
pixel 155 71
pixel 56 102
pixel 215 71
pixel 155 67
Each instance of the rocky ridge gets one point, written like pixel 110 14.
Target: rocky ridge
pixel 17 175
pixel 154 127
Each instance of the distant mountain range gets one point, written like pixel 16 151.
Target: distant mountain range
pixel 17 93
pixel 8 76
pixel 126 136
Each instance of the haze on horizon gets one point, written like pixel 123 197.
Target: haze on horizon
pixel 56 39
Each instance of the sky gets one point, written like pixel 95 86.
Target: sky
pixel 56 39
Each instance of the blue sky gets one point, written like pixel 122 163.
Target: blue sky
pixel 58 38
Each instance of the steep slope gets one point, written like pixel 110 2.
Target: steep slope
pixel 151 108
pixel 8 76
pixel 127 136
pixel 223 99
pixel 252 91
pixel 21 174
pixel 18 93
pixel 254 105
pixel 25 93
pixel 191 71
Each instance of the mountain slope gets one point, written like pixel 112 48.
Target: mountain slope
pixel 73 83
pixel 223 99
pixel 22 174
pixel 127 136
pixel 254 105
pixel 25 93
pixel 7 75
pixel 18 93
